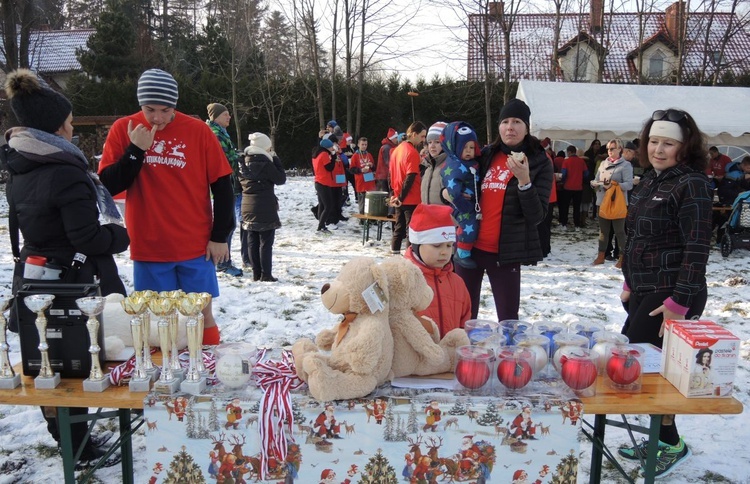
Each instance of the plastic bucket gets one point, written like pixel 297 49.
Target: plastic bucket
pixel 376 204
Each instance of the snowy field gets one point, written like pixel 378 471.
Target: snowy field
pixel 564 288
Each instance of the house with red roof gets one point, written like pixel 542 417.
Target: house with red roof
pixel 599 46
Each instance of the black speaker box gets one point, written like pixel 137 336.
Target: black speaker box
pixel 67 335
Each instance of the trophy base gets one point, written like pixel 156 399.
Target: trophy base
pixel 96 386
pixel 153 373
pixel 9 383
pixel 179 374
pixel 47 383
pixel 169 386
pixel 140 385
pixel 193 387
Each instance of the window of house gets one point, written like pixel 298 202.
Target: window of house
pixel 656 65
pixel 717 58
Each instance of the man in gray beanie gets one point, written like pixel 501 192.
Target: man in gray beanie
pixel 167 161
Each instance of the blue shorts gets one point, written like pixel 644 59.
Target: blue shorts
pixel 194 275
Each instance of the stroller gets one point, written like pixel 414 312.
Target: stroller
pixel 737 228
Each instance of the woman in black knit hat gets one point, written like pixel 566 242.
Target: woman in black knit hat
pixel 57 204
pixel 515 182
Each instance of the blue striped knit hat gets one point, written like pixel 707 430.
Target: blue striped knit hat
pixel 157 87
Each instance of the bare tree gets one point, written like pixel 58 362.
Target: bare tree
pixel 308 51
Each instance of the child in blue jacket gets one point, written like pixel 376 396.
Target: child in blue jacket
pixel 460 179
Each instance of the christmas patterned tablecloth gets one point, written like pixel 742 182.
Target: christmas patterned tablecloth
pixel 395 435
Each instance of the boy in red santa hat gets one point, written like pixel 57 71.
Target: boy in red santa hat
pixel 432 234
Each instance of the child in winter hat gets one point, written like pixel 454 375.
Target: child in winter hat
pixel 460 177
pixel 432 233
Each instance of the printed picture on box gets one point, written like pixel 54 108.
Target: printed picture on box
pixel 701 379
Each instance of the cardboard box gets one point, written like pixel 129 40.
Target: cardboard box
pixel 701 359
pixel 412 434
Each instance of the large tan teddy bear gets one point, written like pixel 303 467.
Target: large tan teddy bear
pixel 361 346
pixel 417 347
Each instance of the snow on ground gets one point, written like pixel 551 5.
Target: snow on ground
pixel 564 288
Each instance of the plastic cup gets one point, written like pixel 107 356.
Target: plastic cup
pixel 473 366
pixel 480 329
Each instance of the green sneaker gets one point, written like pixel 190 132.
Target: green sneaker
pixel 638 452
pixel 670 458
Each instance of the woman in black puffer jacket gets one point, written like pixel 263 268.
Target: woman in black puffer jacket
pixel 515 182
pixel 259 173
pixel 56 205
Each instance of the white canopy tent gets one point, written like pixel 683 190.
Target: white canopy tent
pixel 569 111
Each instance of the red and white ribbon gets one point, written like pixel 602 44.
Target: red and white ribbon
pixel 276 379
pixel 121 374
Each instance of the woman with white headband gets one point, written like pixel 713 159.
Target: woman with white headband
pixel 668 241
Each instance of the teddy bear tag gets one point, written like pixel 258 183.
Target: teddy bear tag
pixel 374 297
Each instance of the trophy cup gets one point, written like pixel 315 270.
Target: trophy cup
pixel 8 378
pixel 148 365
pixel 194 382
pixel 92 307
pixel 38 303
pixel 205 299
pixel 162 307
pixel 134 305
pixel 174 321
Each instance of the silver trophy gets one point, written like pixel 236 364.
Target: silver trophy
pixel 38 303
pixel 190 307
pixel 162 307
pixel 93 307
pixel 134 305
pixel 8 378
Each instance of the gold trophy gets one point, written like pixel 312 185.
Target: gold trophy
pixel 148 365
pixel 190 307
pixel 38 303
pixel 92 307
pixel 204 298
pixel 174 319
pixel 135 306
pixel 162 307
pixel 8 378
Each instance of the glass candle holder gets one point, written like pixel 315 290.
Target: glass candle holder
pixel 234 364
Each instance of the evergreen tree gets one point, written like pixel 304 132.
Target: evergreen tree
pixel 297 414
pixel 379 471
pixel 184 470
pixel 566 471
pixel 400 430
pixel 458 408
pixel 213 417
pixel 111 50
pixel 412 426
pixel 490 416
pixel 389 429
pixel 191 431
pixel 255 408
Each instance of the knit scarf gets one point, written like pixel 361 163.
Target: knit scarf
pixel 46 148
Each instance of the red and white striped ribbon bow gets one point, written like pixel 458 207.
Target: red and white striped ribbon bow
pixel 275 378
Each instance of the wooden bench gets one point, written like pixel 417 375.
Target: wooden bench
pixel 367 219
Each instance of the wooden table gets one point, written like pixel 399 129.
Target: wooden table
pixel 69 393
pixel 367 219
pixel 658 398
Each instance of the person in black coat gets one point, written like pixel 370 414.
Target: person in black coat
pixel 56 204
pixel 259 173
